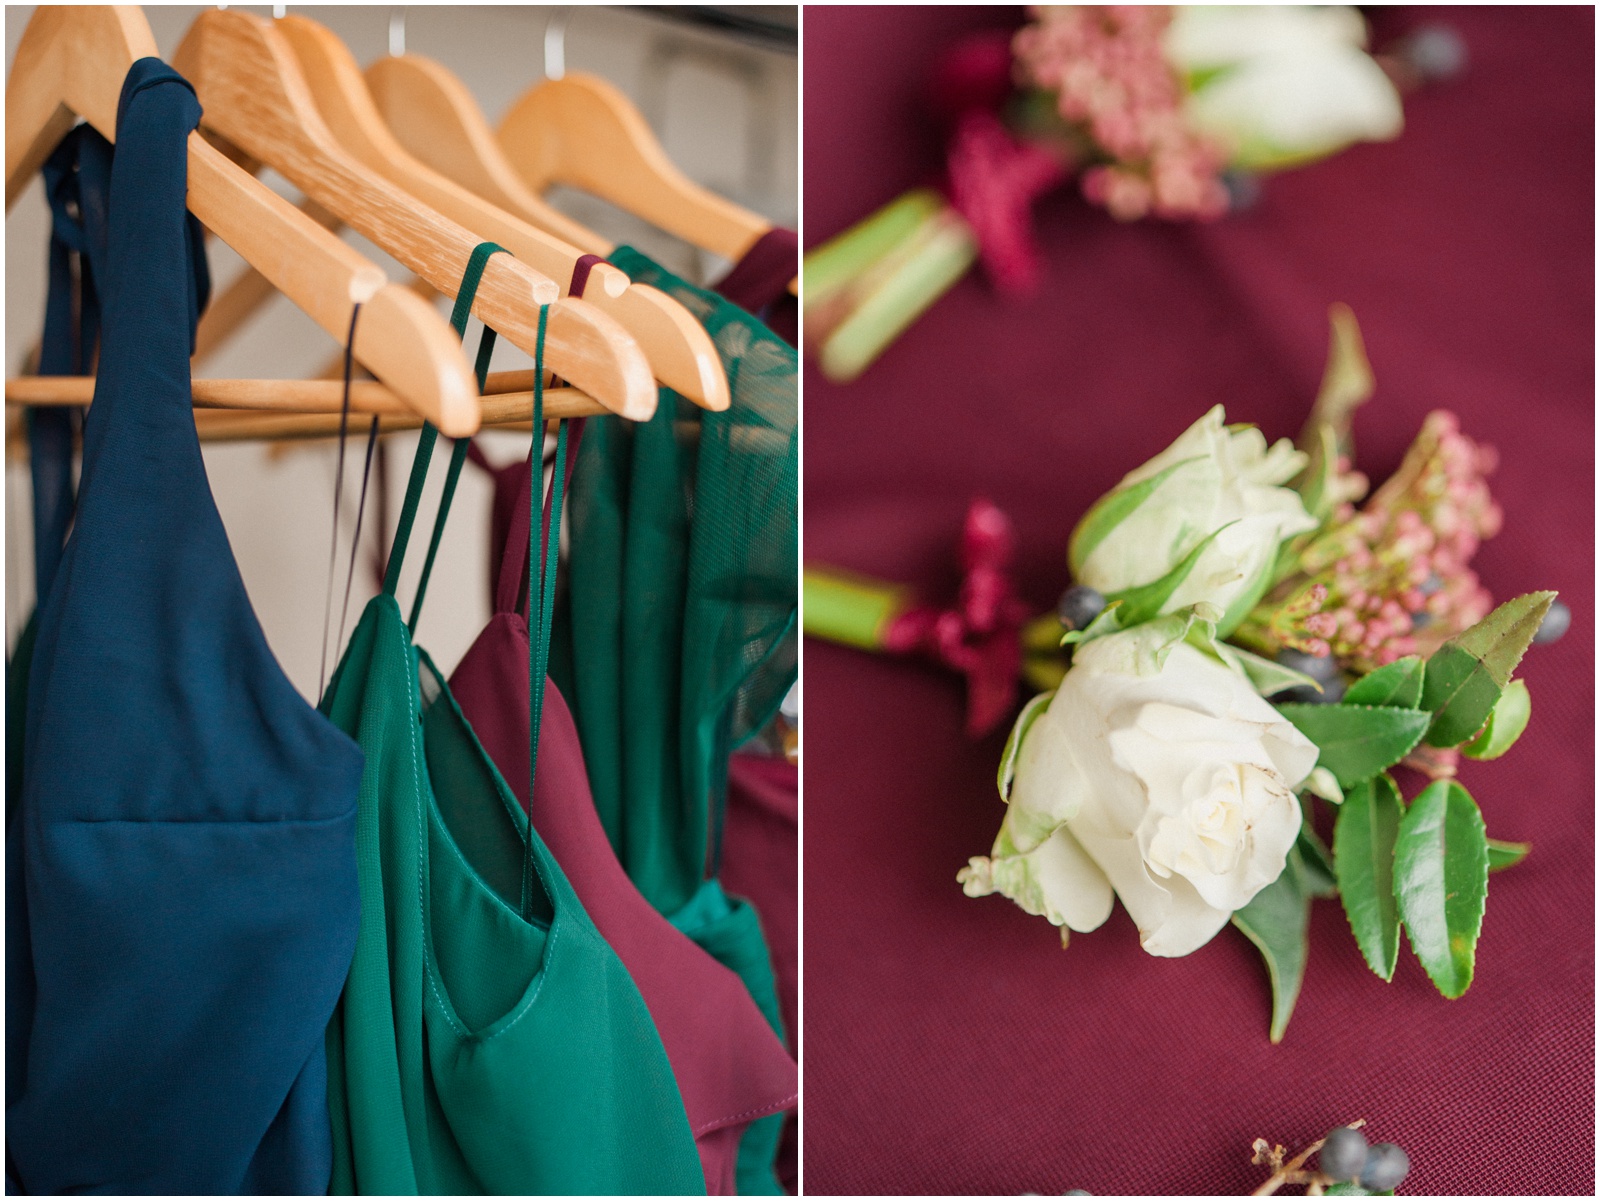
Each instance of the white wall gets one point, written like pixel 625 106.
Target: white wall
pixel 727 113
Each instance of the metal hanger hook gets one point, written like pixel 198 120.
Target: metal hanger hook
pixel 397 31
pixel 555 42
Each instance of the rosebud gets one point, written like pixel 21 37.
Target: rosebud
pixel 1206 515
pixel 1281 85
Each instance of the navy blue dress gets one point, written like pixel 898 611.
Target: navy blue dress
pixel 187 822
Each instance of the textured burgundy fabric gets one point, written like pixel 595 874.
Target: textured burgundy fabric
pixel 952 1046
pixel 730 1067
pixel 761 862
pixel 759 282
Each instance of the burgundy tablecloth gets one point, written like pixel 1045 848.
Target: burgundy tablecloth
pixel 951 1045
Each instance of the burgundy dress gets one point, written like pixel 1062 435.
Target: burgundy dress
pixel 729 1065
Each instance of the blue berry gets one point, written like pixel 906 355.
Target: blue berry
pixel 1343 1154
pixel 1385 1168
pixel 1079 606
pixel 1243 188
pixel 1321 668
pixel 1332 693
pixel 1436 52
pixel 1555 623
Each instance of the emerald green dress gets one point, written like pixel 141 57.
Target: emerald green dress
pixel 679 639
pixel 488 1040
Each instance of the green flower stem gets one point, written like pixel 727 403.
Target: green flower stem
pixel 838 262
pixel 851 609
pixel 895 292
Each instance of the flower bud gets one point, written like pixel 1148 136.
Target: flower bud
pixel 1207 515
pixel 1280 85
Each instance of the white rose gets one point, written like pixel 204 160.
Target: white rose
pixel 1158 772
pixel 1282 84
pixel 1212 483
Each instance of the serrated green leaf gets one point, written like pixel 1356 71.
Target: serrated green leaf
pixel 1356 742
pixel 1110 511
pixel 1144 602
pixel 1345 1188
pixel 1031 712
pixel 1507 720
pixel 1396 685
pixel 1363 860
pixel 1466 675
pixel 1506 854
pixel 1277 920
pixel 1312 864
pixel 1460 693
pixel 1441 876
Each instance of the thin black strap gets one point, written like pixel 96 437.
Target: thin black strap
pixel 338 497
pixel 430 434
pixel 538 627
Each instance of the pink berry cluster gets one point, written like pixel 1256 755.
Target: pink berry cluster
pixel 1395 574
pixel 1111 78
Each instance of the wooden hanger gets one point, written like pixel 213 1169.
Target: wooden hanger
pixel 434 117
pixel 254 95
pixel 307 395
pixel 581 131
pixel 680 352
pixel 72 61
pixel 245 410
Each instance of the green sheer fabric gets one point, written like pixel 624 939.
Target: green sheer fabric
pixel 678 640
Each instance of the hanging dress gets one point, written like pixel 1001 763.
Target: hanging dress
pixel 761 835
pixel 679 638
pixel 187 821
pixel 488 1041
pixel 759 282
pixel 77 183
pixel 729 1065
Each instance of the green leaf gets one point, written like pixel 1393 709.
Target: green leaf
pixel 1363 850
pixel 1312 864
pixel 1250 596
pixel 1441 875
pixel 1506 854
pixel 1277 920
pixel 1266 676
pixel 1397 685
pixel 1106 623
pixel 1031 712
pixel 1465 676
pixel 1507 720
pixel 1346 1188
pixel 1110 511
pixel 1144 602
pixel 1356 742
pixel 1316 485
